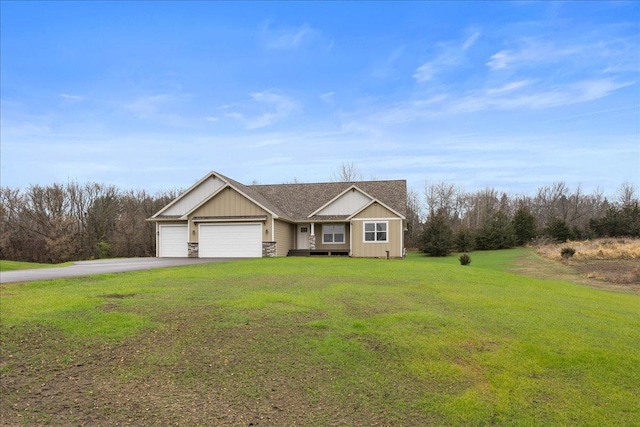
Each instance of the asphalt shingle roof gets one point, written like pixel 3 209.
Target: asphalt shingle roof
pixel 297 201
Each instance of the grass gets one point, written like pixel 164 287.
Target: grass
pixel 6 265
pixel 321 341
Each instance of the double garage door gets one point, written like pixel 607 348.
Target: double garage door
pixel 216 241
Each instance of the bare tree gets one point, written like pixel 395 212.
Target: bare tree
pixel 627 194
pixel 414 224
pixel 347 172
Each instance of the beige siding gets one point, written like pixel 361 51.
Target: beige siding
pixel 348 203
pixel 378 250
pixel 376 210
pixel 229 203
pixel 195 196
pixel 285 234
pixel 331 246
pixel 395 244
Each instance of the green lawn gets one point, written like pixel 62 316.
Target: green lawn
pixel 19 265
pixel 320 341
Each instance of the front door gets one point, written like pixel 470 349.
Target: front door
pixel 303 236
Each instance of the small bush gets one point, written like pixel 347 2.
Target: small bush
pixel 465 259
pixel 567 252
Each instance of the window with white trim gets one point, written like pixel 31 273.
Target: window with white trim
pixel 333 233
pixel 375 231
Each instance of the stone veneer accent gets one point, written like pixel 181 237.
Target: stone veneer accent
pixel 312 242
pixel 192 251
pixel 269 249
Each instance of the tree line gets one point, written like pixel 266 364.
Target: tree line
pixel 68 222
pixel 487 219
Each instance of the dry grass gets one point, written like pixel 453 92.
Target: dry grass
pixel 613 260
pixel 598 249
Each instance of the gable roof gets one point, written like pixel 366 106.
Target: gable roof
pixel 299 201
pixel 302 202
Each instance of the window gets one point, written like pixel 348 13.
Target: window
pixel 304 229
pixel 333 233
pixel 375 231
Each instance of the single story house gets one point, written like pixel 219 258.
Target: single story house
pixel 220 217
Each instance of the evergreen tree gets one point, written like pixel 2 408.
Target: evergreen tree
pixel 437 238
pixel 524 226
pixel 496 233
pixel 559 230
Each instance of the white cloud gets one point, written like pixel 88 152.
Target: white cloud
pixel 424 72
pixel 71 98
pixel 470 41
pixel 557 96
pixel 500 60
pixel 286 38
pixel 509 87
pixel 517 95
pixel 266 108
pixel 211 119
pixel 450 55
pixel 327 97
pixel 147 106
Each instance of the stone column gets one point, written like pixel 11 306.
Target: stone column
pixel 192 250
pixel 269 249
pixel 312 237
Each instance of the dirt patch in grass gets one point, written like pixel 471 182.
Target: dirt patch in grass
pixel 615 274
pixel 200 368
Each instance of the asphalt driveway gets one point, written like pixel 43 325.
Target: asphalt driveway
pixel 88 268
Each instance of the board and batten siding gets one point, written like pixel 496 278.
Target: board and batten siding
pixel 395 234
pixel 229 203
pixel 285 234
pixel 348 203
pixel 195 196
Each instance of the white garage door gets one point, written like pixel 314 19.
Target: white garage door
pixel 230 241
pixel 173 241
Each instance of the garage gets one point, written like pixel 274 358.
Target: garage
pixel 230 240
pixel 173 241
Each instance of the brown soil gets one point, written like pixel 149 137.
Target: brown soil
pixel 182 374
pixel 621 275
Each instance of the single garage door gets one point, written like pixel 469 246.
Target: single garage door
pixel 173 241
pixel 230 241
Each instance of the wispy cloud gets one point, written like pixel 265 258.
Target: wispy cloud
pixel 264 109
pixel 471 40
pixel 71 98
pixel 285 38
pixel 148 106
pixel 593 51
pixel 450 55
pixel 509 87
pixel 327 97
pixel 518 95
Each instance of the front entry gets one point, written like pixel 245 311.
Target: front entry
pixel 303 237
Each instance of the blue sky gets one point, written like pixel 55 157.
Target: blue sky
pixel 153 95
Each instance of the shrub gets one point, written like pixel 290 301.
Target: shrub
pixel 465 259
pixel 567 252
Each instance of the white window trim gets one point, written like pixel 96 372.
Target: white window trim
pixel 364 232
pixel 344 234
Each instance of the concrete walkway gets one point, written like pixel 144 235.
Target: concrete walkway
pixel 88 268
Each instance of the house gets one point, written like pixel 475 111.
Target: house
pixel 220 217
